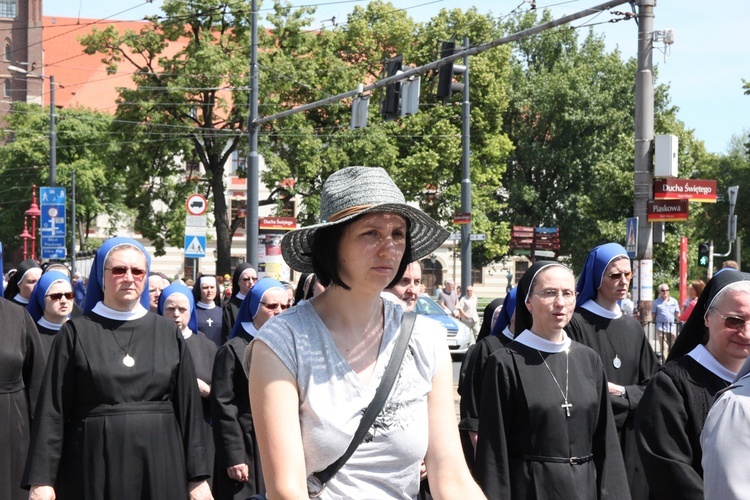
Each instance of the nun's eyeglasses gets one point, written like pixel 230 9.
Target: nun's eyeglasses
pixel 275 305
pixel 58 296
pixel 617 276
pixel 120 271
pixel 733 322
pixel 550 295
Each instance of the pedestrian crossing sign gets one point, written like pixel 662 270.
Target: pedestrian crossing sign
pixel 195 246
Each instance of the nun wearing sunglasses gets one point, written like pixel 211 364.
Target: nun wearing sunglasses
pixel 50 306
pixel 119 412
pixel 705 359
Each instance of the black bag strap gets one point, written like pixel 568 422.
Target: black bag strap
pixel 378 401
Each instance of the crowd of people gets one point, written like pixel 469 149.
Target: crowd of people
pixel 235 387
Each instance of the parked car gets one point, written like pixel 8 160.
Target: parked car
pixel 459 335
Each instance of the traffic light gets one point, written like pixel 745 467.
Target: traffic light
pixel 389 107
pixel 703 254
pixel 446 85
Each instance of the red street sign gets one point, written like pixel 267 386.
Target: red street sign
pixel 685 189
pixel 669 210
pixel 527 229
pixel 462 218
pixel 284 223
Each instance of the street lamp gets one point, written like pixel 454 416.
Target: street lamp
pixel 52 131
pixel 34 213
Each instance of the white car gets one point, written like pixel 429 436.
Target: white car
pixel 459 335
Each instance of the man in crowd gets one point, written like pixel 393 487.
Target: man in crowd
pixel 156 283
pixel 666 310
pixel 448 298
pixel 408 288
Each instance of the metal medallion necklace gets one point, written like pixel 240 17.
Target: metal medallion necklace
pixel 128 359
pixel 617 362
pixel 566 406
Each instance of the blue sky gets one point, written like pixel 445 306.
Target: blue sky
pixel 704 67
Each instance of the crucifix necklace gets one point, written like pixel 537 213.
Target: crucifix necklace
pixel 128 359
pixel 565 406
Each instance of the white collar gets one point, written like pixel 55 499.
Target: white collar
pixel 591 306
pixel 205 306
pixel 508 333
pixel 45 323
pixel 20 300
pixel 240 295
pixel 186 333
pixel 138 312
pixel 249 327
pixel 534 341
pixel 707 361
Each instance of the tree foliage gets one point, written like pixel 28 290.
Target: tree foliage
pixel 83 147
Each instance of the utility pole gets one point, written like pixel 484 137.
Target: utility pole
pixel 73 226
pixel 644 139
pixel 253 169
pixel 466 175
pixel 52 134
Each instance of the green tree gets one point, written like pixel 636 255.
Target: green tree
pixel 83 147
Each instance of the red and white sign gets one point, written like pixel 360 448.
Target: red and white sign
pixel 685 189
pixel 667 210
pixel 196 204
pixel 284 223
pixel 462 218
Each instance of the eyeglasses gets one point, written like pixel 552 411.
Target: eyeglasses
pixel 58 296
pixel 120 271
pixel 663 289
pixel 733 322
pixel 568 296
pixel 275 305
pixel 249 279
pixel 617 276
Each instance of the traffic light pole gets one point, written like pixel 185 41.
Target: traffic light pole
pixel 466 176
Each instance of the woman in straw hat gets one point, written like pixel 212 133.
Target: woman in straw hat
pixel 313 370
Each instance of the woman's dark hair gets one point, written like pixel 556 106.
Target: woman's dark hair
pixel 325 255
pixel 304 288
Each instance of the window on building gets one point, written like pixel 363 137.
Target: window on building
pixel 8 8
pixel 7 50
pixel 521 267
pixel 6 88
pixel 476 275
pixel 238 162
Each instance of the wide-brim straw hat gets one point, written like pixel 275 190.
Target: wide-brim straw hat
pixel 355 191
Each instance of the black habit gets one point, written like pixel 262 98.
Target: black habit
pixel 209 322
pixel 528 448
pixel 234 433
pixel 203 352
pixel 624 339
pixel 21 373
pixel 106 430
pixel 229 316
pixel 668 427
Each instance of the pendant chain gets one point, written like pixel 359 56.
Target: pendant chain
pixel 127 360
pixel 567 406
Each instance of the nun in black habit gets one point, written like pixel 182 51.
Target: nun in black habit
pixel 472 370
pixel 243 278
pixel 208 307
pixel 49 306
pixel 22 283
pixel 119 412
pixel 21 373
pixel 237 469
pixel 674 407
pixel 628 359
pixel 545 427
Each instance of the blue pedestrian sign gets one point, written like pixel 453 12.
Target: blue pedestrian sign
pixel 195 246
pixel 53 222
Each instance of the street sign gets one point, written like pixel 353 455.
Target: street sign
pixel 685 189
pixel 478 237
pixel 196 204
pixel 631 236
pixel 195 225
pixel 53 222
pixel 195 247
pixel 462 218
pixel 671 210
pixel 454 237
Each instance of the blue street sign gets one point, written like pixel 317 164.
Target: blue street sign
pixel 631 236
pixel 53 223
pixel 195 246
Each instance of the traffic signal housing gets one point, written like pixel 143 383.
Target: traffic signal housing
pixel 446 85
pixel 703 254
pixel 389 107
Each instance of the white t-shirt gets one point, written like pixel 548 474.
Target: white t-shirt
pixel 333 398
